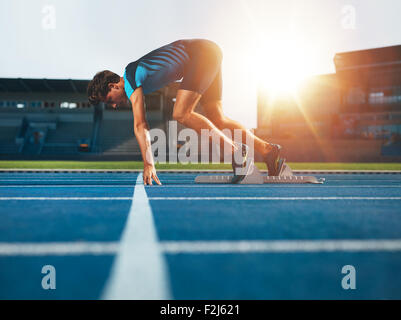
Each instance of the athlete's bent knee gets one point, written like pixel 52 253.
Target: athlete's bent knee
pixel 181 116
pixel 219 122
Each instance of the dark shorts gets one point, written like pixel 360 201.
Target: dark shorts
pixel 202 74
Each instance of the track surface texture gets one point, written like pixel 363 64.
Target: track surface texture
pixel 108 236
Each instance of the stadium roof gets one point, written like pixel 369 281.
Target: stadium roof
pixel 378 57
pixel 43 85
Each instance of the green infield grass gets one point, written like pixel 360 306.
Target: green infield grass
pixel 121 165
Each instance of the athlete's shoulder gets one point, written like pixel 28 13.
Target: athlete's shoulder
pixel 130 78
pixel 131 67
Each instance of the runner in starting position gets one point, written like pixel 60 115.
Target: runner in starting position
pixel 198 63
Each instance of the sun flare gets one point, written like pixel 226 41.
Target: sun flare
pixel 280 66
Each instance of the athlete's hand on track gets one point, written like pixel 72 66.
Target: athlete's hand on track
pixel 149 174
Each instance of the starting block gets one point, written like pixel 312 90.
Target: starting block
pixel 255 177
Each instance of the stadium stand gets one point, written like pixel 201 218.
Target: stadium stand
pixel 65 138
pixel 9 129
pixel 116 136
pixel 116 133
pixel 49 118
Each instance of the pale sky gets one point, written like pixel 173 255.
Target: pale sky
pixel 259 38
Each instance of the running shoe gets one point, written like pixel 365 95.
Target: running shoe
pixel 273 161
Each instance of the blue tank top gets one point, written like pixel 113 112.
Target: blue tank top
pixel 157 68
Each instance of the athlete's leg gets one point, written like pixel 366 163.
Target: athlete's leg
pixel 269 152
pixel 214 112
pixel 202 82
pixel 184 113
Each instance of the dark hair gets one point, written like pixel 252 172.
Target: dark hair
pixel 98 87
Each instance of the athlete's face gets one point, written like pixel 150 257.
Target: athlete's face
pixel 116 95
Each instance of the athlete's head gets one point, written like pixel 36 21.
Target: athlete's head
pixel 108 87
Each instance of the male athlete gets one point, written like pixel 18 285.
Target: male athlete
pixel 198 63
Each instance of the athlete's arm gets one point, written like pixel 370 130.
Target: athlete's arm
pixel 141 129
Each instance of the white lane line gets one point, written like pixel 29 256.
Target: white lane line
pixel 67 180
pixel 63 198
pixel 194 198
pixel 161 179
pixel 191 186
pixel 286 186
pixel 273 198
pixel 362 180
pixel 58 248
pixel 279 246
pixel 198 247
pixel 139 270
pixel 69 186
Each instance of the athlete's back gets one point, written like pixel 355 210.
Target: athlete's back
pixel 157 68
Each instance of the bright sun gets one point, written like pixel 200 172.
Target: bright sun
pixel 280 66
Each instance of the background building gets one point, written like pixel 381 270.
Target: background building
pixel 352 115
pixel 370 92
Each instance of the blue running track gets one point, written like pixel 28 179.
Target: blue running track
pixel 217 241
